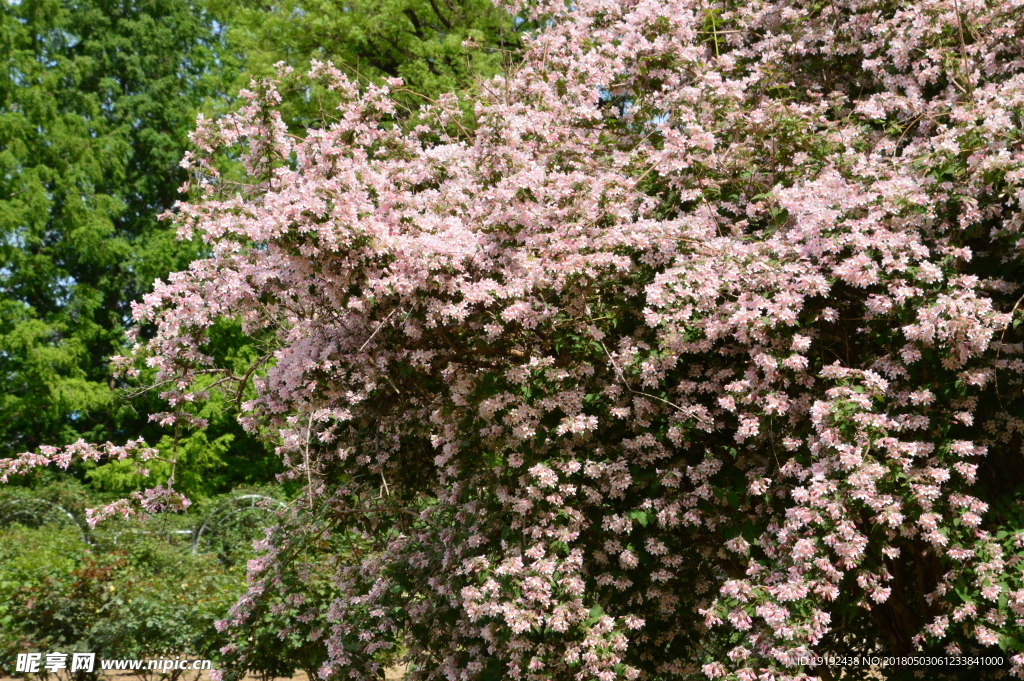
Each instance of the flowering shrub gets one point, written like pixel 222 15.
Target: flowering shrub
pixel 695 354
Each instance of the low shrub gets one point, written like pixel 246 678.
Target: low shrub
pixel 145 597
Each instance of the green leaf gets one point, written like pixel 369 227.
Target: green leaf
pixel 595 614
pixel 640 517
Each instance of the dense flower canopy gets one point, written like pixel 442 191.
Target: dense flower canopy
pixel 693 354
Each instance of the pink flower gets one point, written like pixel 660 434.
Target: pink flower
pixel 714 670
pixel 740 619
pixel 985 636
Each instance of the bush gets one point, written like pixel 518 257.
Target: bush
pixel 145 597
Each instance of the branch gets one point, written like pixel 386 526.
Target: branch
pixel 437 11
pixel 245 379
pixel 622 377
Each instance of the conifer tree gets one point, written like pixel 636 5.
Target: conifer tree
pixel 96 101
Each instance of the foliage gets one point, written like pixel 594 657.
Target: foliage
pixel 698 354
pixel 165 602
pixel 64 501
pixel 435 46
pixel 285 631
pixel 95 106
pixel 146 590
pixel 60 595
pixel 130 595
pixel 96 101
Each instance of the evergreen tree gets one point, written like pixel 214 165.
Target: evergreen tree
pixel 96 101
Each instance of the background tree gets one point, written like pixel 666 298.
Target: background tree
pixel 96 102
pixel 434 46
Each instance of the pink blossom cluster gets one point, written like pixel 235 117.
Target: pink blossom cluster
pixel 151 501
pixel 684 356
pixel 80 450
